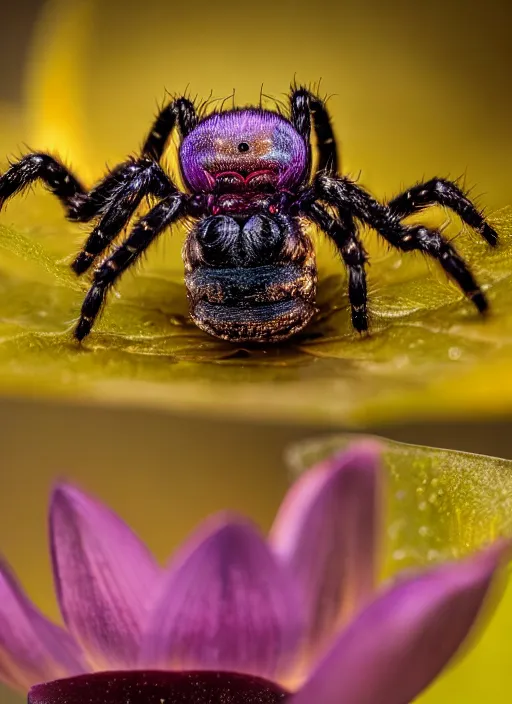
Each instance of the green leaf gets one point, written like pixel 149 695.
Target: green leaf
pixel 428 354
pixel 443 504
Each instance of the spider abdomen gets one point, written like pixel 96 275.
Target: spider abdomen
pixel 252 281
pixel 260 304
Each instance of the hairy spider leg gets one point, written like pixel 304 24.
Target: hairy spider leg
pixel 180 112
pixel 349 197
pixel 134 180
pixel 162 215
pixel 439 191
pixel 80 205
pixel 343 233
pixel 137 180
pixel 305 105
pixel 56 177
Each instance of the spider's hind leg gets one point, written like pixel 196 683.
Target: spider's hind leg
pixel 343 232
pixel 347 196
pixel 439 191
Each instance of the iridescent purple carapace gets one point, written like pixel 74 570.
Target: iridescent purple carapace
pixel 249 144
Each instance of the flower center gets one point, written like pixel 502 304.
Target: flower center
pixel 141 687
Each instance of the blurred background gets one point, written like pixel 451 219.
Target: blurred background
pixel 418 89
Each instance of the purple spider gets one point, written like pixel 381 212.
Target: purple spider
pixel 250 265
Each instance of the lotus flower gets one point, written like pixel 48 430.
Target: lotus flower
pixel 235 617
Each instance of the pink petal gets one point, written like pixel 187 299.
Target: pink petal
pixel 326 532
pixel 403 640
pixel 31 648
pixel 104 576
pixel 226 605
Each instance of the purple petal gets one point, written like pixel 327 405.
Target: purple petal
pixel 226 605
pixel 326 532
pixel 104 577
pixel 157 688
pixel 31 648
pixel 401 642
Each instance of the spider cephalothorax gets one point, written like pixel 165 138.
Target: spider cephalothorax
pixel 250 265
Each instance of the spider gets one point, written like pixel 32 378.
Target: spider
pixel 250 269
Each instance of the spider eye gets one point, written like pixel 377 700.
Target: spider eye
pixel 243 147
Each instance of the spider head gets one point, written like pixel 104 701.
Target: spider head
pixel 244 150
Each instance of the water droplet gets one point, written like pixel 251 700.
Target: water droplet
pixel 424 531
pixel 454 353
pixel 395 529
pixel 422 506
pixel 402 361
pixel 399 555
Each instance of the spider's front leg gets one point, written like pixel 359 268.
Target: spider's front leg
pixel 130 183
pixel 304 106
pixel 137 179
pixel 439 191
pixel 347 196
pixel 164 214
pixel 343 233
pixel 114 199
pixel 117 196
pixel 180 113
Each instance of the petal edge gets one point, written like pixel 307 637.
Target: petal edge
pixel 326 532
pixel 32 648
